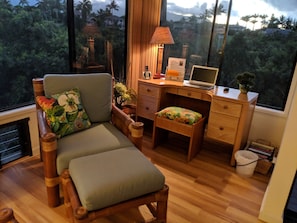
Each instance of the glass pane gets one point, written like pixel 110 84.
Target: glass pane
pixel 256 36
pixel 100 37
pixel 33 41
pixel 220 25
pixel 262 39
pixel 191 25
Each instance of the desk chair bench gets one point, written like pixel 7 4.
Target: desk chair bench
pixel 181 121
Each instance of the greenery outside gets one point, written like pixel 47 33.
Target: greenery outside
pixel 34 41
pixel 269 52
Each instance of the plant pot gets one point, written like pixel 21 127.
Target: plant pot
pixel 243 89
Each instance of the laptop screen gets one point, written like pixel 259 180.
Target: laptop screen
pixel 202 75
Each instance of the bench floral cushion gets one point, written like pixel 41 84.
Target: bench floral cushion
pixel 179 114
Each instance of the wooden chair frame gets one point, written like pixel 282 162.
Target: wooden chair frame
pixel 156 203
pixel 7 216
pixel 49 144
pixel 195 132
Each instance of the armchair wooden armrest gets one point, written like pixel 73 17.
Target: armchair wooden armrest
pixel 48 142
pixel 133 130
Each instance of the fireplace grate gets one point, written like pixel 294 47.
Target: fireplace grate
pixel 14 141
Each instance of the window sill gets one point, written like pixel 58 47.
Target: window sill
pixel 269 111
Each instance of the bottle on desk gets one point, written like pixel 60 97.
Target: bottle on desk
pixel 146 73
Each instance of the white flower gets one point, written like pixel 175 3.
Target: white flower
pixel 69 102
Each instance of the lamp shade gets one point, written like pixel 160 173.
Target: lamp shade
pixel 162 35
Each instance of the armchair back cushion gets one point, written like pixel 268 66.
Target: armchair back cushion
pixel 95 92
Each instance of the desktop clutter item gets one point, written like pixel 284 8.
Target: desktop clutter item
pixel 203 77
pixel 146 73
pixel 176 69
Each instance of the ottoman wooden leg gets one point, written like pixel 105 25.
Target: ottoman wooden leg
pixel 160 211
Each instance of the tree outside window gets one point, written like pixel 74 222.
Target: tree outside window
pixel 237 37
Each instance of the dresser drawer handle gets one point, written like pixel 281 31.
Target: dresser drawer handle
pixel 148 90
pixel 147 108
pixel 189 94
pixel 225 107
pixel 221 128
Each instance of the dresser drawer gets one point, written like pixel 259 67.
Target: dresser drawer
pixel 148 90
pixel 189 94
pixel 222 127
pixel 225 107
pixel 146 107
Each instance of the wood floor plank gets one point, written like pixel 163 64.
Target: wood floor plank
pixel 206 189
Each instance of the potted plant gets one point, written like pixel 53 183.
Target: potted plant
pixel 124 96
pixel 246 81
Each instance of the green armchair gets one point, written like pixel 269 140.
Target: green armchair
pixel 107 127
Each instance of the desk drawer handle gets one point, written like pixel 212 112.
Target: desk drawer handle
pixel 147 108
pixel 221 128
pixel 189 94
pixel 225 107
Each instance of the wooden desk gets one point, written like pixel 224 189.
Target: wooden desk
pixel 229 114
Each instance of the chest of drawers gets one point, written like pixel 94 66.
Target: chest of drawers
pixel 148 100
pixel 223 120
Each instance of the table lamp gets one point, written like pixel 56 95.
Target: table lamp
pixel 161 36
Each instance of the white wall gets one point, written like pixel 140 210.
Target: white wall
pixel 267 126
pixel 284 171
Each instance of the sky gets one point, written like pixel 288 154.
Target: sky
pixel 97 4
pixel 240 8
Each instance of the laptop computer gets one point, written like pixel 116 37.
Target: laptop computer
pixel 202 77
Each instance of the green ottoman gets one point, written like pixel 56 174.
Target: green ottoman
pixel 114 178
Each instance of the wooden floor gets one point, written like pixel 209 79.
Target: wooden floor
pixel 205 190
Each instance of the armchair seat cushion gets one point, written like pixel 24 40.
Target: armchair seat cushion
pixel 112 177
pixel 99 138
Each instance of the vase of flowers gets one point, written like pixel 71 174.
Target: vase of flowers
pixel 123 95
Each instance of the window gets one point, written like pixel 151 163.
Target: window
pixel 48 36
pixel 100 30
pixel 258 37
pixel 33 42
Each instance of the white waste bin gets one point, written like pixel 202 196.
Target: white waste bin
pixel 246 162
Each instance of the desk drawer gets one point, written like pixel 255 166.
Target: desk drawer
pixel 189 94
pixel 147 107
pixel 225 107
pixel 222 127
pixel 148 90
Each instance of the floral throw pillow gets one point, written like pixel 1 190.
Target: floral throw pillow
pixel 179 114
pixel 64 112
